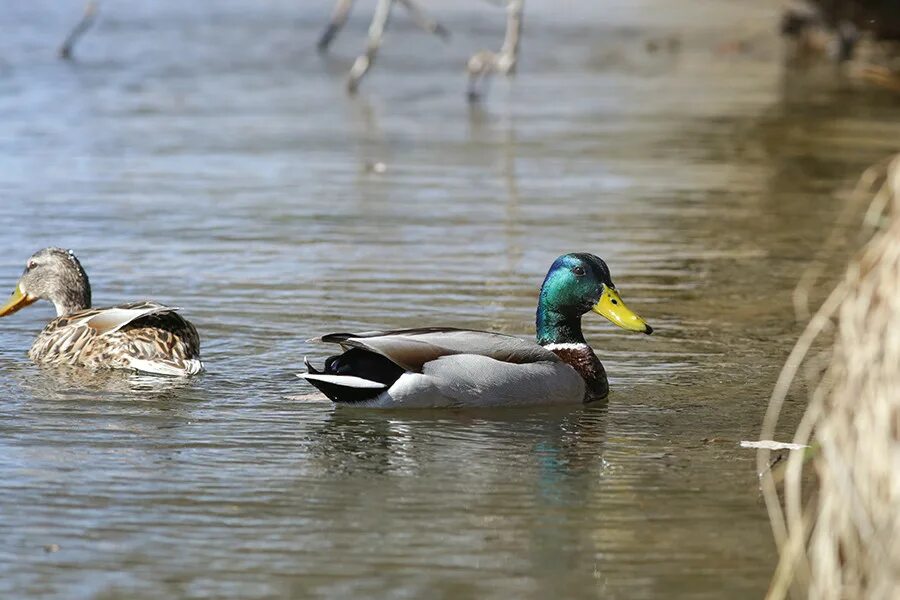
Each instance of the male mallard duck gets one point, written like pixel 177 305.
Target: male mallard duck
pixel 442 366
pixel 144 336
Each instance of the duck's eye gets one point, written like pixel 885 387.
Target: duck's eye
pixel 31 264
pixel 579 271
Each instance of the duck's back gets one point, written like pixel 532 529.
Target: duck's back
pixel 144 336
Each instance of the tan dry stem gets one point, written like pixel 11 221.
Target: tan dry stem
pixel 841 541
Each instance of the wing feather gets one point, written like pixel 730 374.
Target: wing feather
pixel 411 349
pixel 110 320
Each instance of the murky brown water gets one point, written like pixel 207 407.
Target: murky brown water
pixel 205 156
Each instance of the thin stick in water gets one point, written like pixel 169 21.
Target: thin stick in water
pixel 483 64
pixel 87 20
pixel 338 20
pixel 376 32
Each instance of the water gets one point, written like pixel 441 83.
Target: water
pixel 204 156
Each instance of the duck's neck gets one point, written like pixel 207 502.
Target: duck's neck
pixel 74 296
pixel 67 304
pixel 561 334
pixel 554 327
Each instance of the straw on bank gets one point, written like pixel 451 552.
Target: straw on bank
pixel 839 538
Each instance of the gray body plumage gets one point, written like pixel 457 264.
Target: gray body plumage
pixel 463 380
pixel 459 368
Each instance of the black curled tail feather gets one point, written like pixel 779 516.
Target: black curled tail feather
pixel 359 363
pixel 309 368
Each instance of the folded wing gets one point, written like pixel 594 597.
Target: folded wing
pixel 411 349
pixel 110 320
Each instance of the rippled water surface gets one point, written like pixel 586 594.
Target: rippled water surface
pixel 203 155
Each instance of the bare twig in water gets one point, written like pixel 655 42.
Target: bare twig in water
pixel 376 32
pixel 772 445
pixel 338 20
pixel 421 18
pixel 483 64
pixel 87 19
pixel 842 542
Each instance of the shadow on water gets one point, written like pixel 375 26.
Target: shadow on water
pixel 379 443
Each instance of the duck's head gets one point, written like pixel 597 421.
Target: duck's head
pixel 578 283
pixel 51 274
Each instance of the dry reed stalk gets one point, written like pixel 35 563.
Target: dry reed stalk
pixel 843 541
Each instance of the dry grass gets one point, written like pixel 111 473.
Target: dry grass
pixel 840 538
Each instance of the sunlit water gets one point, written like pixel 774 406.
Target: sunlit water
pixel 203 155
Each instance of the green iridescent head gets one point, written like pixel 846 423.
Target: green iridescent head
pixel 575 284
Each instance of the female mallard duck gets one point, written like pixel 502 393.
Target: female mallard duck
pixel 443 366
pixel 144 336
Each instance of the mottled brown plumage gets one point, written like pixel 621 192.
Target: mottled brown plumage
pixel 165 339
pixel 143 336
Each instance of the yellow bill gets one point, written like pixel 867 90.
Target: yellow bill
pixel 19 299
pixel 611 306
